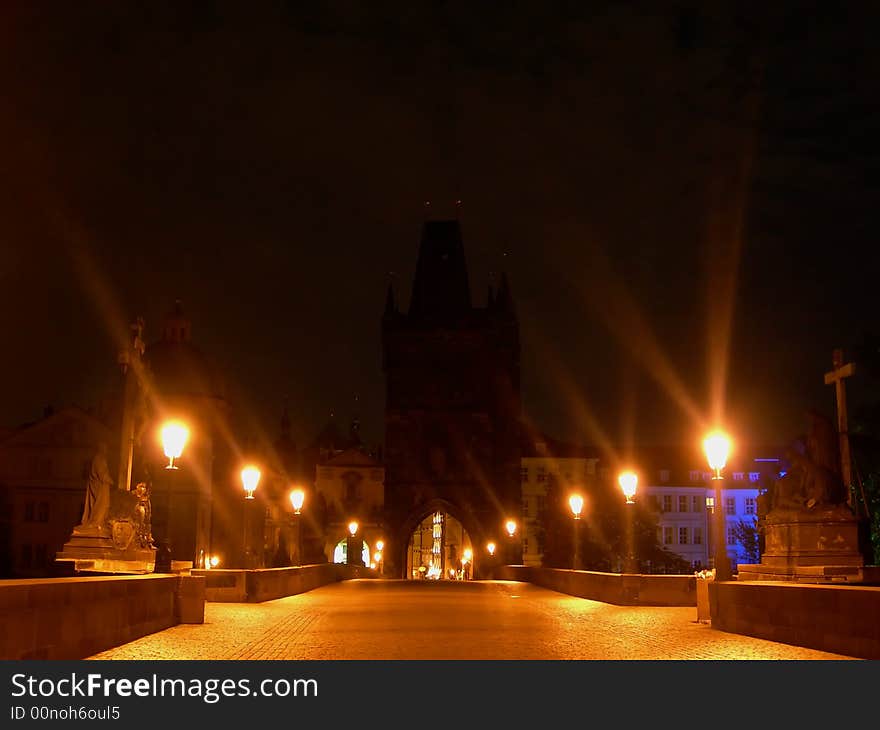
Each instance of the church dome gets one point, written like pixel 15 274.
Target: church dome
pixel 178 367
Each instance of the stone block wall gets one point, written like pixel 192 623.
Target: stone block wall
pixel 835 618
pixel 625 589
pixel 72 618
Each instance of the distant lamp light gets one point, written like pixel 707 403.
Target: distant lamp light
pixel 250 477
pixel 174 435
pixel 372 566
pixel 377 556
pixel 215 561
pixel 380 544
pixel 628 481
pixel 468 554
pixel 576 502
pixel 353 528
pixel 297 498
pixel 510 526
pixel 717 448
pixel 491 548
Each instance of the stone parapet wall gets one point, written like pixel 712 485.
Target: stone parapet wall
pixel 834 618
pixel 72 618
pixel 621 589
pixel 255 586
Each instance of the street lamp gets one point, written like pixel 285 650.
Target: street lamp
pixel 353 528
pixel 510 526
pixel 717 448
pixel 354 553
pixel 576 502
pixel 629 482
pixel 250 477
pixel 491 548
pixel 297 499
pixel 174 435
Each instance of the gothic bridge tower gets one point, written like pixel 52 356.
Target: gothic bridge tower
pixel 452 414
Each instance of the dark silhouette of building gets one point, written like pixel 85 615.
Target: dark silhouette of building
pixel 452 407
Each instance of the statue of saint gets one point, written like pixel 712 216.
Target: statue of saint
pixel 97 503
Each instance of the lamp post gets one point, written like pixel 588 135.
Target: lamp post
pixel 380 561
pixel 717 448
pixel 297 499
pixel 510 526
pixel 467 556
pixel 576 502
pixel 250 478
pixel 629 482
pixel 174 435
pixel 490 548
pixel 352 547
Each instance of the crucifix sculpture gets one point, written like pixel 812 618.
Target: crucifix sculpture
pixel 837 376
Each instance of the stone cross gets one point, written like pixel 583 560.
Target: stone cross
pixel 836 376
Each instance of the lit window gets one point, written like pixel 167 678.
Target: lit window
pixel 667 503
pixel 754 476
pixel 682 503
pixel 667 535
pixel 694 476
pixel 682 535
pixel 731 536
pixel 751 506
pixel 698 536
pixel 738 476
pixel 729 506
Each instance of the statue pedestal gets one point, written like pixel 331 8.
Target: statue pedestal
pixel 95 551
pixel 821 546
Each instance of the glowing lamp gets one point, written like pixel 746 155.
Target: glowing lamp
pixel 491 548
pixel 628 481
pixel 717 448
pixel 380 545
pixel 174 435
pixel 353 528
pixel 250 477
pixel 576 502
pixel 297 497
pixel 215 561
pixel 468 554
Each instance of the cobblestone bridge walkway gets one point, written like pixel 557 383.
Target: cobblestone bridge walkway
pixel 370 619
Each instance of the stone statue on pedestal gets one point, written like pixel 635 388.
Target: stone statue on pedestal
pixel 97 504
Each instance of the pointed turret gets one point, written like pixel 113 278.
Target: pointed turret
pixel 441 290
pixel 390 303
pixel 504 301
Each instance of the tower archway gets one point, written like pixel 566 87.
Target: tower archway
pixel 439 542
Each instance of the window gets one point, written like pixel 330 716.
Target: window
pixel 707 476
pixel 731 536
pixel 524 474
pixel 43 512
pixel 698 536
pixel 541 475
pixel 754 476
pixel 751 506
pixel 694 476
pixel 28 514
pixel 667 503
pixel 27 556
pixel 729 506
pixel 697 503
pixel 525 544
pixel 664 475
pixel 667 536
pixel 682 503
pixel 542 505
pixel 40 556
pixel 656 501
pixel 682 535
pixel 525 507
pixel 738 476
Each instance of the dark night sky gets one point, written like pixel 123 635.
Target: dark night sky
pixel 632 168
